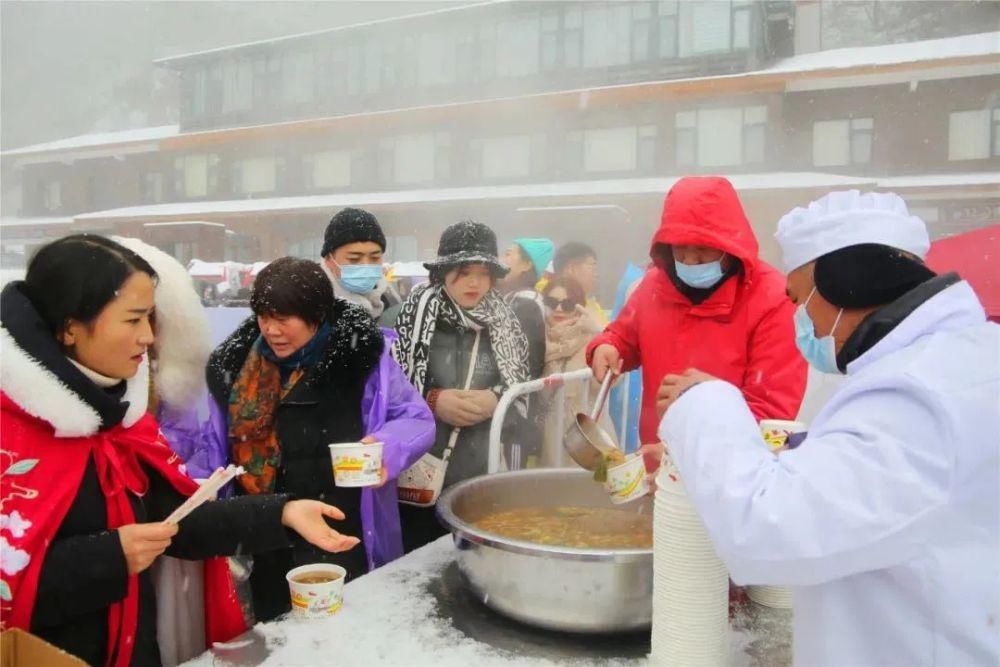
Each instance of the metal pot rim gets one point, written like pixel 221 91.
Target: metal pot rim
pixel 464 530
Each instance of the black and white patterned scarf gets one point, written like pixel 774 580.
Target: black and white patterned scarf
pixel 429 304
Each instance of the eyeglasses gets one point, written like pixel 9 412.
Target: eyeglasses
pixel 565 305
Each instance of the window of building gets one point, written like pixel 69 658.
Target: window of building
pixel 196 175
pixel 642 32
pixel 646 152
pixel 842 142
pixel 237 90
pixel 411 158
pixel 754 134
pixel 610 149
pixel 517 46
pixel 572 36
pixel 607 34
pixel 501 157
pixel 741 24
pixel 306 248
pixel 550 39
pixel 705 27
pixel 153 187
pixel 667 23
pixel 52 195
pixel 327 169
pixel 996 132
pixel 199 91
pixel 720 137
pixel 356 69
pixel 969 135
pixel 373 66
pixel 255 175
pixel 266 79
pixel 466 58
pixel 402 248
pixel 686 138
pixel 487 50
pixel 297 77
pixel 437 59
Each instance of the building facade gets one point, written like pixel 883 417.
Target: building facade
pixel 569 119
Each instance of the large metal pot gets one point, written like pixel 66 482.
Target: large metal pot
pixel 560 588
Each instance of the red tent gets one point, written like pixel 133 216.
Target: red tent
pixel 975 256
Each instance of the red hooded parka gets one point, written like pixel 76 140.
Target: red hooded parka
pixel 743 333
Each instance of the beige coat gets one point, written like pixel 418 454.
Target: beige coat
pixel 566 350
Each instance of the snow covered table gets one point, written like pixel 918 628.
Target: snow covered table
pixel 415 611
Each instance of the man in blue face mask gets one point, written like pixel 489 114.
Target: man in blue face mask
pixel 708 301
pixel 353 248
pixel 886 518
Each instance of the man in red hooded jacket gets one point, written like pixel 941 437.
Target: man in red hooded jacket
pixel 708 302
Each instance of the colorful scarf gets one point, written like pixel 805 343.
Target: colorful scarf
pixel 253 406
pixel 429 304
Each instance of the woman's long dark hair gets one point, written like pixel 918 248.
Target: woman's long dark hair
pixel 75 277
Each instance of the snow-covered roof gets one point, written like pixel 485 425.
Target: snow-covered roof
pixel 35 222
pixel 314 33
pixel 964 46
pixel 971 179
pixel 100 139
pixel 524 192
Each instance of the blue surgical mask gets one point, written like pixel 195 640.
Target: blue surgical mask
pixel 699 275
pixel 821 353
pixel 360 278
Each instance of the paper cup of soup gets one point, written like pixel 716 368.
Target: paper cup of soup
pixel 627 481
pixel 356 463
pixel 776 432
pixel 317 590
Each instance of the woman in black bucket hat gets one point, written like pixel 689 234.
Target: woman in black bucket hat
pixel 462 346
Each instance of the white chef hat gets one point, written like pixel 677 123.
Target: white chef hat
pixel 842 219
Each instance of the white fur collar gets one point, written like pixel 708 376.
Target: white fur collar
pixel 41 394
pixel 183 340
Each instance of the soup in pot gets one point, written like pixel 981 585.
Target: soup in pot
pixel 570 526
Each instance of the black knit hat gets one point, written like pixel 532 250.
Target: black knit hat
pixel 467 242
pixel 868 275
pixel 350 226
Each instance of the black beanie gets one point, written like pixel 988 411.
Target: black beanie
pixel 350 226
pixel 868 275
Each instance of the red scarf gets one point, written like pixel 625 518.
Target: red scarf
pixel 40 476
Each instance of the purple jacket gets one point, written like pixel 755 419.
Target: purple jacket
pixel 392 411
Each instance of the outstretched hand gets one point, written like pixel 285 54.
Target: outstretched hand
pixel 306 517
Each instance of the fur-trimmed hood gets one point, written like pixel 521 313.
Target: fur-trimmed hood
pixel 36 375
pixel 183 340
pixel 353 350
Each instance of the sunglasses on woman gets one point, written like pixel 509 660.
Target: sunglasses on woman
pixel 565 305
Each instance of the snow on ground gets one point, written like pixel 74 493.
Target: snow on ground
pixel 389 618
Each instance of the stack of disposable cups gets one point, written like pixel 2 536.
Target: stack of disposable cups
pixel 690 583
pixel 777 597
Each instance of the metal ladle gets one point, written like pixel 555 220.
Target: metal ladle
pixel 585 441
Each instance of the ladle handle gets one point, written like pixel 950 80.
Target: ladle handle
pixel 602 395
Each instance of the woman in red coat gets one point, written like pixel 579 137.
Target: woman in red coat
pixel 87 478
pixel 707 302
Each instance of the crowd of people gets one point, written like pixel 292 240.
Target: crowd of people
pixel 106 358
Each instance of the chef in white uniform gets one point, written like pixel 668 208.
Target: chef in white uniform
pixel 886 519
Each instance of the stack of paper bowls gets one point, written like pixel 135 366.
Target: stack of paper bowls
pixel 778 597
pixel 690 583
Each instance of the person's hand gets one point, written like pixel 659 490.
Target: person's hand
pixel 672 386
pixel 383 474
pixel 306 517
pixel 457 408
pixel 142 543
pixel 605 358
pixel 485 400
pixel 592 323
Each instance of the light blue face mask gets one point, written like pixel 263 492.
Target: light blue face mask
pixel 360 278
pixel 699 275
pixel 821 353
